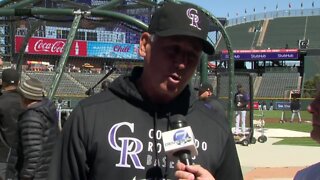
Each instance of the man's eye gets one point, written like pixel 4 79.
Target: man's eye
pixel 192 57
pixel 172 51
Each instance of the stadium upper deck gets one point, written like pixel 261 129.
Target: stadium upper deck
pixel 282 32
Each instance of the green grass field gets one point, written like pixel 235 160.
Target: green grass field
pixel 272 119
pixel 306 116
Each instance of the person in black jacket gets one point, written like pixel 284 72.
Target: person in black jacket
pixel 105 84
pixel 205 91
pixel 10 109
pixel 295 109
pixel 117 133
pixel 38 132
pixel 241 100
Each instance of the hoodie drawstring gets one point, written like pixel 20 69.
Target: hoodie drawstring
pixel 154 135
pixel 155 142
pixel 167 160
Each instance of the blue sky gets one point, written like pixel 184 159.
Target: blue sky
pixel 220 8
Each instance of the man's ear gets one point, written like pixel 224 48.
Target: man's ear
pixel 144 41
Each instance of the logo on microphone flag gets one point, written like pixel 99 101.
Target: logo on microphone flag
pixel 179 139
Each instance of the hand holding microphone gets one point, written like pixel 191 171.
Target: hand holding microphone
pixel 179 141
pixel 192 172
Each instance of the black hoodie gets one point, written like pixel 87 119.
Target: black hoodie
pixel 116 134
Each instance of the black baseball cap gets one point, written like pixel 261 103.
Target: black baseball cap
pixel 10 76
pixel 206 86
pixel 181 19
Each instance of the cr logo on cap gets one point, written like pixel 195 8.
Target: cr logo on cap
pixel 193 15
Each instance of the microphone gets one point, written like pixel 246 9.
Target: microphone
pixel 179 142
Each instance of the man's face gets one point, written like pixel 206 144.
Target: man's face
pixel 314 108
pixel 205 95
pixel 169 64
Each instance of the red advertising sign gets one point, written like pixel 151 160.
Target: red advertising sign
pixel 51 46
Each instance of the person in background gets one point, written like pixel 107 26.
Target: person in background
pixel 1 62
pixel 271 105
pixel 205 91
pixel 241 100
pixel 312 172
pixel 117 134
pixel 10 109
pixel 295 109
pixel 0 85
pixel 260 105
pixel 105 84
pixel 38 132
pixel 264 105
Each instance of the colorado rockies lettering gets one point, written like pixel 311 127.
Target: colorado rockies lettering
pixel 129 146
pixel 193 15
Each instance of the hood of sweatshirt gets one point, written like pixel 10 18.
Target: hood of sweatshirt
pixel 125 87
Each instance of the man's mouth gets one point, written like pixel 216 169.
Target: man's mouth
pixel 175 78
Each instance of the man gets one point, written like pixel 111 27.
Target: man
pixel 205 91
pixel 264 105
pixel 260 105
pixel 271 105
pixel 10 108
pixel 0 84
pixel 241 99
pixel 38 132
pixel 295 109
pixel 105 84
pixel 117 134
pixel 312 172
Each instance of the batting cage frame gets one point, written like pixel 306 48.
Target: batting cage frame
pixel 247 81
pixel 78 14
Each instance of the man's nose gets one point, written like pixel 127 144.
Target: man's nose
pixel 181 61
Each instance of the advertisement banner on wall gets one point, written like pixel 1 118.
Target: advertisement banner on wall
pixel 50 46
pixel 283 105
pixel 2 39
pixel 266 54
pixel 113 50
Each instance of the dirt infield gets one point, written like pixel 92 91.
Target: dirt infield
pixel 272 120
pixel 282 173
pixel 265 161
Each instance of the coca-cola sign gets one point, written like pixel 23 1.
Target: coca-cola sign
pixel 55 47
pixel 51 46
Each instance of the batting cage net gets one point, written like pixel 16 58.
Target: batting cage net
pixel 99 45
pixel 34 35
pixel 222 89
